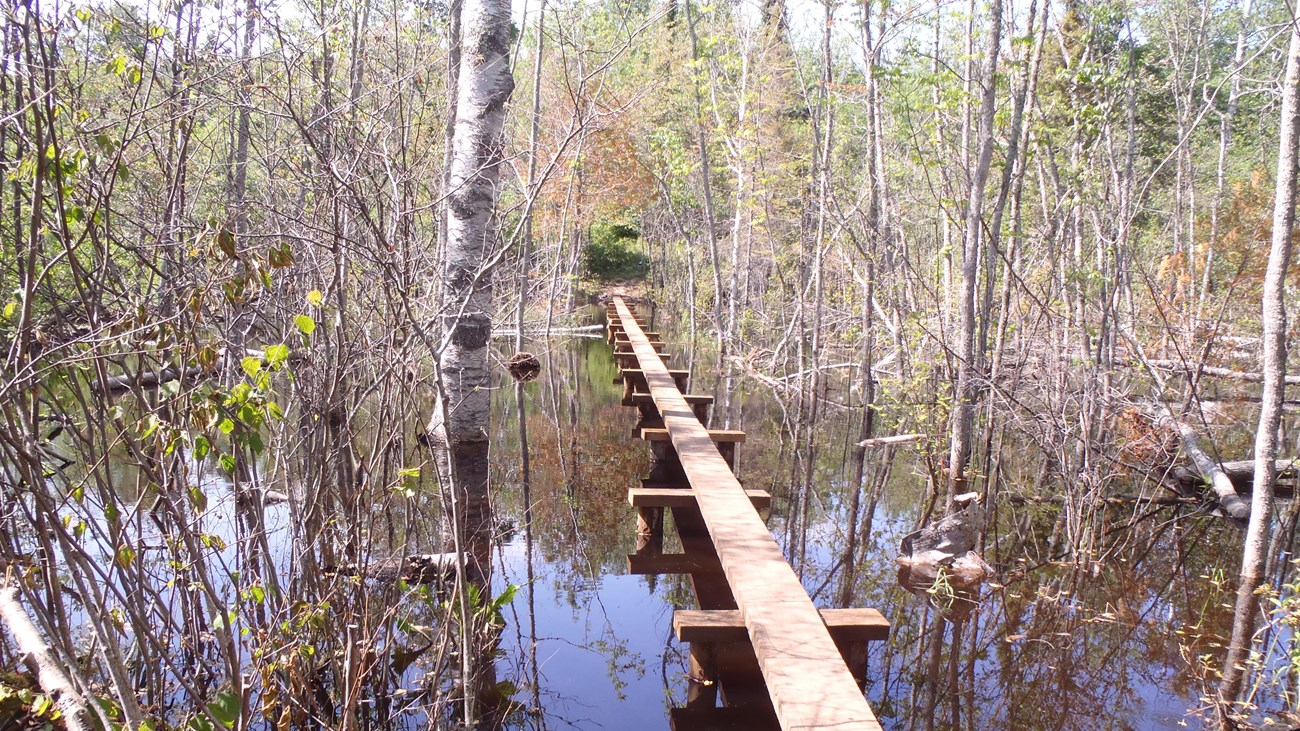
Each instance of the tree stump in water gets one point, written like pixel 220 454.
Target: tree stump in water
pixel 524 366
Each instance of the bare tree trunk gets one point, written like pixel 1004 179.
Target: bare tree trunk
pixel 535 120
pixel 1255 551
pixel 963 417
pixel 710 219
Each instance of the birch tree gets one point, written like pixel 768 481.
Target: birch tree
pixel 485 84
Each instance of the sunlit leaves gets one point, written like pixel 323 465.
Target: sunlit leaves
pixel 277 356
pixel 305 324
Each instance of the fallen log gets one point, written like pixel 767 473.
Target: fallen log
pixel 1229 501
pixel 1242 475
pixel 38 657
pixel 1248 376
pixel 896 439
pixel 1232 504
pixel 1112 500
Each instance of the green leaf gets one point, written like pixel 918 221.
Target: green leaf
pixel 201 447
pixel 226 242
pixel 305 324
pixel 277 355
pixel 228 463
pixel 125 556
pixel 226 708
pixel 251 365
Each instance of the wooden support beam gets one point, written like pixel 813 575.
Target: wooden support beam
pixel 850 629
pixel 669 484
pixel 698 402
pixel 629 360
pixel 733 436
pixel 633 380
pixel 667 497
pixel 727 625
pixel 625 347
pixel 724 440
pixel 693 399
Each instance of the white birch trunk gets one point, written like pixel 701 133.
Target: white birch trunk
pixel 484 86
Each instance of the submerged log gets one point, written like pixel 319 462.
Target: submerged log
pixel 38 657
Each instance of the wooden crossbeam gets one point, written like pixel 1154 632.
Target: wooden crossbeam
pixel 727 625
pixel 668 497
pixel 719 436
pixel 628 360
pixel 626 347
pixel 693 399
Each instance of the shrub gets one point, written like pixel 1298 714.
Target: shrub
pixel 614 252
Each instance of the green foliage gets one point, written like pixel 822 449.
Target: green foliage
pixel 613 252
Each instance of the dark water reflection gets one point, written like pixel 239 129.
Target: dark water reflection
pixel 1104 643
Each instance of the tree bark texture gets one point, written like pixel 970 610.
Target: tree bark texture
pixel 484 85
pixel 38 657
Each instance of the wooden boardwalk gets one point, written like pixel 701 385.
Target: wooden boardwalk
pixel 804 671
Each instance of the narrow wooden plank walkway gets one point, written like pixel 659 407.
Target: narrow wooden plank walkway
pixel 810 685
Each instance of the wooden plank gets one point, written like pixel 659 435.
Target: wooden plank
pixel 731 436
pixel 628 360
pixel 638 373
pixel 810 685
pixel 624 346
pixel 668 497
pixel 727 625
pixel 690 398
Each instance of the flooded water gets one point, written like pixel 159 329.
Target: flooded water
pixel 1111 641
